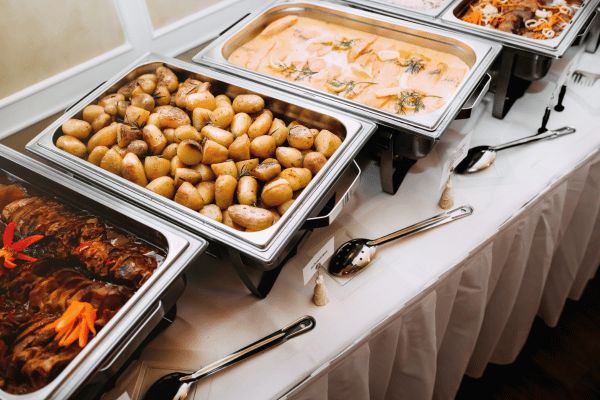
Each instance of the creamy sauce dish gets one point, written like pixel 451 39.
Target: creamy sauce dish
pixel 391 75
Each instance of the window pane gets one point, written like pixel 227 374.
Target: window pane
pixel 40 38
pixel 165 12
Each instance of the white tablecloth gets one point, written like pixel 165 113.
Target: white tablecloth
pixel 430 308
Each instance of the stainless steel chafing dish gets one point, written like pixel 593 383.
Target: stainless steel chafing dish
pixel 554 48
pixel 105 354
pixel 523 59
pixel 265 250
pixel 400 139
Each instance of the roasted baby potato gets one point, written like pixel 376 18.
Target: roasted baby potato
pixel 112 162
pixel 200 100
pixel 133 170
pixel 246 190
pixel 104 137
pixel 189 152
pixel 253 218
pixel 155 139
pixel 186 175
pixel 240 124
pixel 213 152
pixel 221 136
pixel 167 78
pixel 276 192
pixel 155 167
pixel 221 117
pixel 327 143
pixel 248 103
pixel 229 222
pixel 138 147
pixel 225 168
pixel 96 155
pixel 91 112
pixel 266 170
pixel 225 186
pixel 163 185
pixel 245 167
pixel 212 211
pixel 282 209
pixel 207 191
pixel 77 128
pixel 186 132
pixel 263 147
pixel 188 196
pixel 313 161
pixel 289 157
pixel 127 134
pixel 200 118
pixel 298 178
pixel 261 125
pixel 279 131
pixel 206 172
pixel 300 137
pixel 170 151
pixel 72 145
pixel 239 150
pixel 171 117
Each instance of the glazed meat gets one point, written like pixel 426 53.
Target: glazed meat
pixel 49 287
pixel 10 193
pixel 100 249
pixel 36 357
pixel 63 276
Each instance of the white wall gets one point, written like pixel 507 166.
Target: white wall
pixel 56 51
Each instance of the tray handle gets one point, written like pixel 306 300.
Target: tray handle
pixel 134 340
pixel 232 25
pixel 322 221
pixel 475 98
pixel 82 97
pixel 586 28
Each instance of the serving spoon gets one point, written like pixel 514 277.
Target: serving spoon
pixel 177 385
pixel 354 255
pixel 481 157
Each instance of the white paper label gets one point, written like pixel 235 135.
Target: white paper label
pixel 318 260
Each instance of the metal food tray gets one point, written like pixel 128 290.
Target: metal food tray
pixel 555 47
pixel 109 349
pixel 388 7
pixel 264 248
pixel 478 54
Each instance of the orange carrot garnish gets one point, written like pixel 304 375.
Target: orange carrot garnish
pixel 74 325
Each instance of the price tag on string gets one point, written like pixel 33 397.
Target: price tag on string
pixel 319 260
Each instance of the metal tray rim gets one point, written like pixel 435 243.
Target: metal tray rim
pixel 183 248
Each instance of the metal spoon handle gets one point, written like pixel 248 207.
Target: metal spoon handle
pixel 276 338
pixel 429 223
pixel 567 130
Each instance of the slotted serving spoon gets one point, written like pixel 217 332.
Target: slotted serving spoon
pixel 354 255
pixel 177 385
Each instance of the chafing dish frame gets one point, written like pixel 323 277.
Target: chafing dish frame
pixel 105 353
pixel 264 249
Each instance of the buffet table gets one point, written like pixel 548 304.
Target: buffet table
pixel 429 309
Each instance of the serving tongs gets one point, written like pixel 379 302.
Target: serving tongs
pixel 177 385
